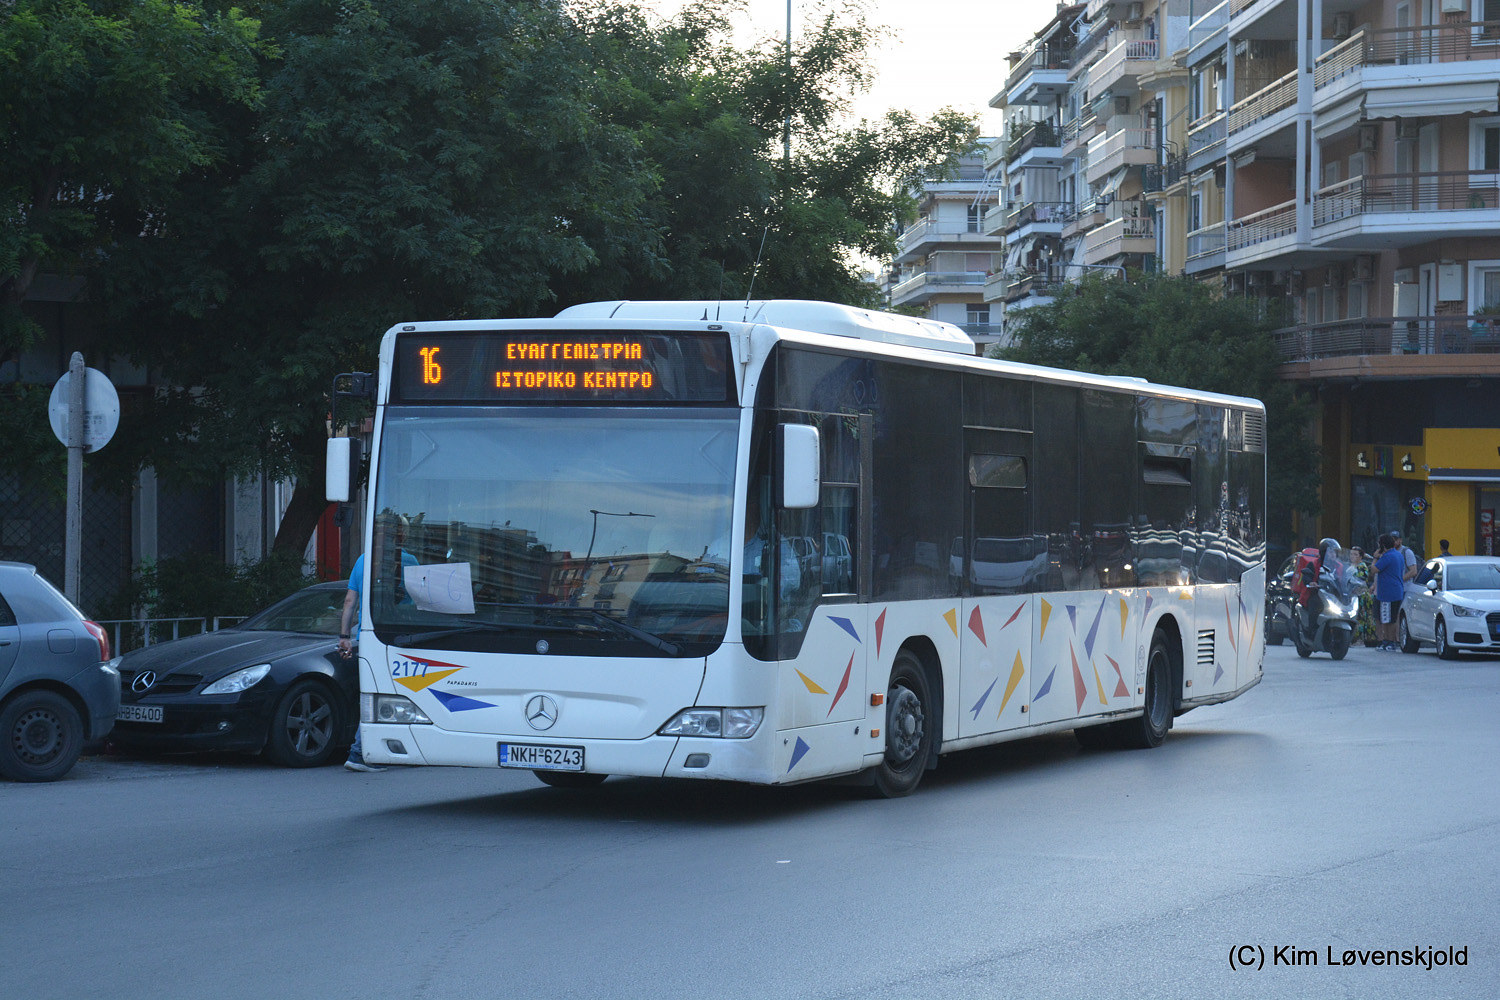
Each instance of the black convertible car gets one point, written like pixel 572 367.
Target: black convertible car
pixel 274 683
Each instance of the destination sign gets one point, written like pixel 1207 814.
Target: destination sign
pixel 530 366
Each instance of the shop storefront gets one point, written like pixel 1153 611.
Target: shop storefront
pixel 1448 488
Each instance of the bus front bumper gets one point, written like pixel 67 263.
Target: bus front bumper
pixel 654 757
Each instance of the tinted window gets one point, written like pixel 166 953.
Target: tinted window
pixel 990 401
pixel 316 611
pixel 1211 500
pixel 917 482
pixel 1109 456
pixel 1055 470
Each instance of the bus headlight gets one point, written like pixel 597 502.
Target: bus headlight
pixel 727 723
pixel 391 709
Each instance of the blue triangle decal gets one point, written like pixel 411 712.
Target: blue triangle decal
pixel 1218 672
pixel 458 703
pixel 1046 686
pixel 980 703
pixel 847 626
pixel 798 752
pixel 1088 643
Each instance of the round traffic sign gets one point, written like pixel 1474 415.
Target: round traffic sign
pixel 101 409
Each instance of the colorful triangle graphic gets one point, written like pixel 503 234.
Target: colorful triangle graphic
pixel 1046 685
pixel 951 617
pixel 810 683
pixel 1080 690
pixel 458 703
pixel 879 630
pixel 799 750
pixel 843 684
pixel 1017 671
pixel 1046 614
pixel 985 697
pixel 976 624
pixel 426 680
pixel 846 625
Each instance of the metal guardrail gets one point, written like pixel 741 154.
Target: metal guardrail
pixel 1457 41
pixel 140 632
pixel 1441 191
pixel 1267 224
pixel 1375 335
pixel 1264 103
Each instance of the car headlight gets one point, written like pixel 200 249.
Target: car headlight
pixel 391 709
pixel 239 680
pixel 1464 612
pixel 726 723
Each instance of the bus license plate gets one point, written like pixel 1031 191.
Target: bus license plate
pixel 538 758
pixel 140 713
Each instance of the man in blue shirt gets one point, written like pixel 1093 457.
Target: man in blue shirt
pixel 1390 571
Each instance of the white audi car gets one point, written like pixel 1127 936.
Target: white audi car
pixel 1453 605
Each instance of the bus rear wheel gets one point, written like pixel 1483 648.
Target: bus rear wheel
pixel 1149 729
pixel 909 720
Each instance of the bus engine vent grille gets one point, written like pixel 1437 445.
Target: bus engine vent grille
pixel 1205 647
pixel 1255 432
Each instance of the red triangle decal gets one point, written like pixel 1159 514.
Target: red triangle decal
pixel 976 624
pixel 843 684
pixel 879 630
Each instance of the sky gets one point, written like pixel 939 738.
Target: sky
pixel 943 52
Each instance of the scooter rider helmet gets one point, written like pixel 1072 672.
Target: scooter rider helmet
pixel 1326 546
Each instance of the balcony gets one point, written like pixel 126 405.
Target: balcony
pixel 1206 140
pixel 1128 235
pixel 1040 217
pixel 1126 148
pixel 1020 284
pixel 994 154
pixel 1458 42
pixel 1041 139
pixel 1040 71
pixel 1395 210
pixel 923 285
pixel 1205 248
pixel 1206 31
pixel 1157 177
pixel 928 234
pixel 1269 224
pixel 1391 347
pixel 994 220
pixel 1089 215
pixel 1263 103
pixel 1077 132
pixel 1117 70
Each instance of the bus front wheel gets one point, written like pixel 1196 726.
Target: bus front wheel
pixel 909 719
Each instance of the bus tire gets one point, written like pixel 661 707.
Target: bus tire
pixel 909 717
pixel 1149 729
pixel 570 779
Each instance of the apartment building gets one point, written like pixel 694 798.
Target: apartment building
pixel 945 257
pixel 1338 161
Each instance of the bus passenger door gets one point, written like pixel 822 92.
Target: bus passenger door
pixel 996 566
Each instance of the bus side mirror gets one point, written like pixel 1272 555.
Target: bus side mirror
pixel 343 468
pixel 801 486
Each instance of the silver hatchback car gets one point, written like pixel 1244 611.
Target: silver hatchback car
pixel 58 686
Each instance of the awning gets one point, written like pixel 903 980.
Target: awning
pixel 1015 253
pixel 1431 101
pixel 1463 475
pixel 1112 184
pixel 1345 115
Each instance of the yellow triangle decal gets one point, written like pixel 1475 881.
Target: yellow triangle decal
pixel 1124 614
pixel 1017 671
pixel 811 684
pixel 1098 684
pixel 426 680
pixel 951 617
pixel 1046 613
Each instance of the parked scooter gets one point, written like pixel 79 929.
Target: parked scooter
pixel 1326 623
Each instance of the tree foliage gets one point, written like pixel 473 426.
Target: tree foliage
pixel 1177 331
pixel 459 158
pixel 106 105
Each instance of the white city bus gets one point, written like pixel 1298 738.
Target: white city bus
pixel 777 541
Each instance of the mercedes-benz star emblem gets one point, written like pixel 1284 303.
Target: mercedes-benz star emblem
pixel 143 681
pixel 541 712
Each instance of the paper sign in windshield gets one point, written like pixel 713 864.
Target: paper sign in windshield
pixel 442 587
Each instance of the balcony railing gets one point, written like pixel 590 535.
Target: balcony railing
pixel 1038 56
pixel 1460 41
pixel 1116 63
pixel 1030 281
pixel 1389 335
pixel 931 229
pixel 1206 131
pixel 1043 134
pixel 1046 212
pixel 1238 6
pixel 1160 176
pixel 994 219
pixel 1264 103
pixel 1205 241
pixel 1108 240
pixel 923 279
pixel 1446 191
pixel 1267 224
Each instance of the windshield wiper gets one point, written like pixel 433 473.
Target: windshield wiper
pixel 418 638
pixel 600 618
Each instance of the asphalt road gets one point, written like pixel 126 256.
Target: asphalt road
pixel 1338 807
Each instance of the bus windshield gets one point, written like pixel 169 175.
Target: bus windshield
pixel 579 530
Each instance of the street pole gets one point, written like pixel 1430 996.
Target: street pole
pixel 786 132
pixel 73 543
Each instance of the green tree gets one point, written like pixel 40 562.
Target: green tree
pixel 1178 331
pixel 458 159
pixel 106 105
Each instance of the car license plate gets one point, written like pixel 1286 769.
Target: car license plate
pixel 140 713
pixel 539 758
